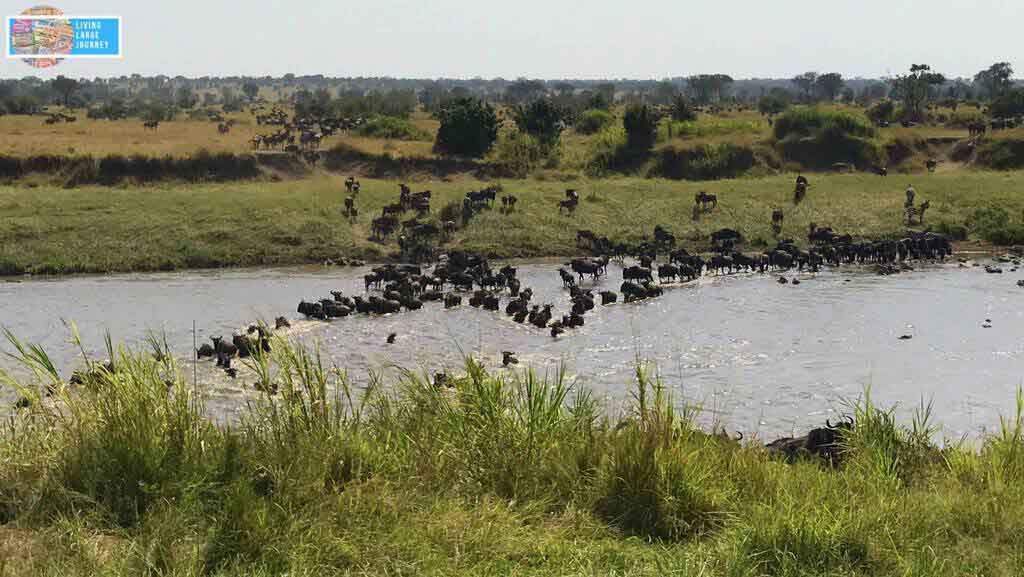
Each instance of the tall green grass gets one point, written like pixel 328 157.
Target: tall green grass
pixel 512 473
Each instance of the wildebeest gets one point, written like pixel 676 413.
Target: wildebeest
pixel 703 199
pixel 637 273
pixel 151 124
pixel 931 164
pixel 568 205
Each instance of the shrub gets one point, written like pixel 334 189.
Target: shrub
pixel 641 128
pixel 518 153
pixel 883 111
pixel 469 127
pixel 993 224
pixel 541 119
pixel 608 152
pixel 704 162
pixel 1009 104
pixel 1002 153
pixel 811 121
pixel 819 138
pixel 954 230
pixel 593 121
pixel 391 127
pixel 772 104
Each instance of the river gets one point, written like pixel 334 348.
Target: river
pixel 758 356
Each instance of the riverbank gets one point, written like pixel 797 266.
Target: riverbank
pixel 482 475
pixel 95 229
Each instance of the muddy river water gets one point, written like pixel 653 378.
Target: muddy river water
pixel 758 356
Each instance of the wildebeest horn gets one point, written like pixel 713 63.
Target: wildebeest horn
pixel 828 424
pixel 739 436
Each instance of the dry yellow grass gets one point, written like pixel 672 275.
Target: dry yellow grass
pixel 29 136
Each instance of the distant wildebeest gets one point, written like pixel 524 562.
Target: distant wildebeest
pixel 704 199
pixel 152 124
pixel 568 205
pixel 931 164
pixel 223 128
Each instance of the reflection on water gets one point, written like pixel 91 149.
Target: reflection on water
pixel 759 356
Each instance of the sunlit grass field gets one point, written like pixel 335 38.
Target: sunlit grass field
pixel 166 226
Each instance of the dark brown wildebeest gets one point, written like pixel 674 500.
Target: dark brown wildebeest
pixel 153 124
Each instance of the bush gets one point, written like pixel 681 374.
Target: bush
pixel 391 127
pixel 954 230
pixel 819 138
pixel 541 119
pixel 1002 153
pixel 772 104
pixel 593 121
pixel 469 127
pixel 704 162
pixel 1009 104
pixel 641 128
pixel 883 111
pixel 812 121
pixel 993 224
pixel 608 152
pixel 518 154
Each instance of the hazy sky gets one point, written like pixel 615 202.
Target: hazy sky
pixel 547 38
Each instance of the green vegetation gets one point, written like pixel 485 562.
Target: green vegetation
pixel 641 126
pixel 469 127
pixel 167 226
pixel 593 121
pixel 512 474
pixel 819 137
pixel 392 128
pixel 1002 153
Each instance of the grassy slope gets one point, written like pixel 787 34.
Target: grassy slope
pixel 498 477
pixel 96 229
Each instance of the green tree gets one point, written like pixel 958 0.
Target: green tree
pixel 829 85
pixel 65 87
pixel 541 119
pixel 641 126
pixel 707 88
pixel 185 98
pixel 913 89
pixel 469 127
pixel 1010 103
pixel 995 79
pixel 805 84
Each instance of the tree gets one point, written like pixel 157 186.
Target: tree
pixel 664 92
pixel 805 84
pixel 829 85
pixel 541 119
pixel 606 90
pixel 251 89
pixel 469 127
pixel 1009 103
pixel 706 88
pixel 65 87
pixel 995 80
pixel 641 128
pixel 913 89
pixel 185 98
pixel 524 90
